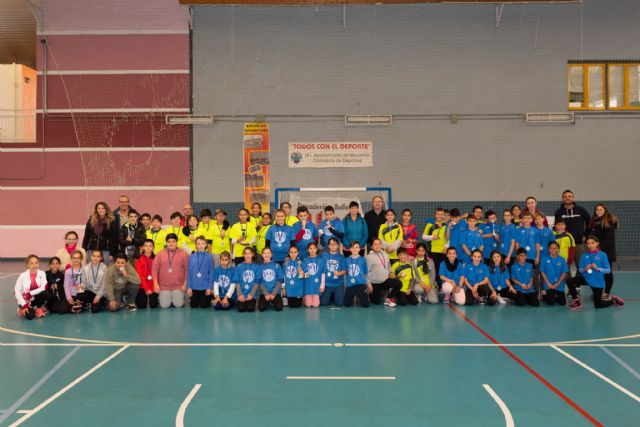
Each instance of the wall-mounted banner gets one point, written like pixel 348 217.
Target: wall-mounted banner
pixel 255 141
pixel 330 154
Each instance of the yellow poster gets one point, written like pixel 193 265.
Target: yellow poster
pixel 255 140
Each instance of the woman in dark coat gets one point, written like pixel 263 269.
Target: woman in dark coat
pixel 101 232
pixel 603 225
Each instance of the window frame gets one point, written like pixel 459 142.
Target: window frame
pixel 606 65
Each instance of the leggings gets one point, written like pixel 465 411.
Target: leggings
pixel 200 299
pixel 393 285
pixel 554 296
pixel 356 291
pixel 246 306
pixel 263 304
pixel 598 302
pixel 527 298
pixel 294 302
pixel 142 299
pixel 337 292
pixel 404 299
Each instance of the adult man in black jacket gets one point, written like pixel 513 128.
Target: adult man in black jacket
pixel 375 218
pixel 577 219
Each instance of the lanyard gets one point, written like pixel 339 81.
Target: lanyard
pixel 154 236
pixel 244 230
pixel 94 274
pixel 382 260
pixel 198 260
pixel 170 258
pixel 148 266
pixel 351 261
pixel 529 236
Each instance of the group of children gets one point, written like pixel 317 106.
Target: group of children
pixel 288 260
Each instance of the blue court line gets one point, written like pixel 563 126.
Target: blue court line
pixel 621 362
pixel 37 385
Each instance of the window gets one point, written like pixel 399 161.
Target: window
pixel 602 85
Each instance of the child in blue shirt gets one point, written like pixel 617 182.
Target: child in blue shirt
pixel 452 278
pixel 594 264
pixel 507 238
pixel 294 278
pixel 279 238
pixel 335 269
pixel 304 231
pixel 200 275
pixel 470 240
pixel 223 288
pixel 330 227
pixel 314 277
pixel 247 279
pixel 500 278
pixel 545 235
pixel 522 278
pixel 356 278
pixel 455 227
pixel 490 236
pixel 476 278
pixel 553 271
pixel 270 283
pixel 527 237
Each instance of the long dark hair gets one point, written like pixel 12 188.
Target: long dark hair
pixel 492 266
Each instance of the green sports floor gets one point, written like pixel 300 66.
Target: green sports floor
pixel 413 366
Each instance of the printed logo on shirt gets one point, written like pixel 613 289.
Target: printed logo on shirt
pixel 312 269
pixel 248 276
pixel 280 236
pixel 291 272
pixel 268 275
pixel 307 234
pixel 332 265
pixel 354 270
pixel 224 281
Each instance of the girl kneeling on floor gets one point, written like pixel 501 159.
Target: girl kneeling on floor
pixel 476 278
pixel 452 280
pixel 500 278
pixel 30 289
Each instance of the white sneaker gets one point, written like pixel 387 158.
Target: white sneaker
pixel 501 300
pixel 389 302
pixel 285 302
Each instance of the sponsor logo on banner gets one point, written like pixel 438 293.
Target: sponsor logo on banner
pixel 330 154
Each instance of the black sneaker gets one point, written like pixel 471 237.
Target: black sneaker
pixel 132 307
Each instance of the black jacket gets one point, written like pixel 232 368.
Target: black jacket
pixel 606 235
pixel 577 219
pixel 374 221
pixel 138 234
pixel 105 241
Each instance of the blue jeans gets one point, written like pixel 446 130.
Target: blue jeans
pixel 336 291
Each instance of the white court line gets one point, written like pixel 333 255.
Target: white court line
pixel 37 386
pixel 621 362
pixel 507 414
pixel 343 378
pixel 67 388
pixel 24 411
pixel 597 374
pixel 183 407
pixel 7 275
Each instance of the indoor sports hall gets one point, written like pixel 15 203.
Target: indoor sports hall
pixel 523 110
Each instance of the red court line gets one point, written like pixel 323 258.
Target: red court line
pixel 528 368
